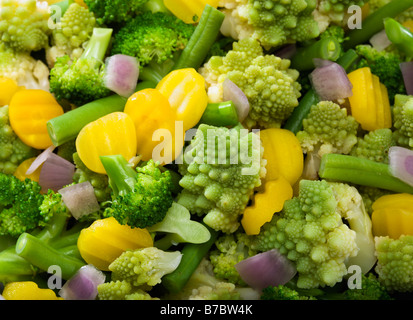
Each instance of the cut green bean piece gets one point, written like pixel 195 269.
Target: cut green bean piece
pixel 220 114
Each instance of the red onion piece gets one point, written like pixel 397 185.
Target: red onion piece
pixel 287 51
pixel 41 158
pixel 233 93
pixel 265 269
pixel 80 199
pixel 56 173
pixel 83 285
pixel 122 74
pixel 401 164
pixel 330 81
pixel 380 41
pixel 407 72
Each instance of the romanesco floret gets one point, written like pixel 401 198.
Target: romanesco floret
pixel 335 11
pixel 374 145
pixel 403 120
pixel 152 37
pixel 230 249
pixel 273 22
pixel 310 232
pixel 395 263
pixel 76 27
pixel 24 25
pixel 371 194
pixel 24 69
pixel 121 290
pixel 328 129
pixel 220 169
pixel 12 150
pixel 283 292
pixel 269 83
pixel 144 266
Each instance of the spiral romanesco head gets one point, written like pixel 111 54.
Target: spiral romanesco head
pixel 403 120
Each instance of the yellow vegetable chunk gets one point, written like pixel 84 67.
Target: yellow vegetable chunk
pixel 188 11
pixel 27 290
pixel 106 239
pixel 21 170
pixel 8 87
pixel 29 111
pixel 109 135
pixel 393 215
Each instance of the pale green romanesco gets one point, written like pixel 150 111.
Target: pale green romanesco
pixel 220 170
pixel 122 290
pixel 328 129
pixel 403 120
pixel 310 232
pixel 12 150
pixel 272 22
pixel 374 145
pixel 24 25
pixel 330 12
pixel 395 263
pixel 269 83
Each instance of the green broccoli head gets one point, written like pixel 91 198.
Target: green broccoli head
pixel 328 129
pixel 403 120
pixel 374 145
pixel 385 65
pixel 310 232
pixel 220 169
pixel 371 289
pixel 82 80
pixel 230 249
pixel 24 25
pixel 20 204
pixel 144 266
pixel 152 37
pixel 269 83
pixel 395 263
pixel 273 23
pixel 12 150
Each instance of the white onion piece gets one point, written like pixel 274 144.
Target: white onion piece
pixel 122 74
pixel 331 82
pixel 233 93
pixel 41 158
pixel 80 199
pixel 407 72
pixel 265 269
pixel 83 285
pixel 401 164
pixel 380 40
pixel 56 173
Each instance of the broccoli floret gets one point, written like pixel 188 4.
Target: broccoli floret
pixel 24 25
pixel 385 65
pixel 117 12
pixel 395 263
pixel 283 292
pixel 152 37
pixel 82 80
pixel 374 145
pixel 403 120
pixel 310 232
pixel 121 290
pixel 273 23
pixel 220 169
pixel 269 83
pixel 141 197
pixel 24 69
pixel 20 203
pixel 12 150
pixel 230 249
pixel 145 266
pixel 328 129
pixel 76 28
pixel 371 289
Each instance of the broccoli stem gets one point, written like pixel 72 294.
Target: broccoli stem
pixel 220 114
pixel 66 127
pixel 122 177
pixel 360 171
pixel 98 44
pixel 326 48
pixel 374 22
pixel 400 36
pixel 192 254
pixel 42 255
pixel 205 34
pixel 295 122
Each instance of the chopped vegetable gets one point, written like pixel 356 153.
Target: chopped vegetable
pixel 189 12
pixel 27 290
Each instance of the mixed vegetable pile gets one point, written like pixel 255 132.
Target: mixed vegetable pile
pixel 206 149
